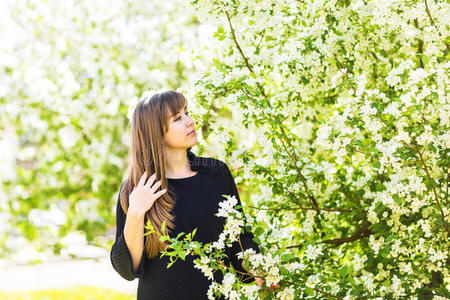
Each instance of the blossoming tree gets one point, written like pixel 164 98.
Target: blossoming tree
pixel 347 160
pixel 335 116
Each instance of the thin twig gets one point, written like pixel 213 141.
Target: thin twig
pixel 432 22
pixel 434 190
pixel 446 194
pixel 249 67
pixel 293 157
pixel 429 15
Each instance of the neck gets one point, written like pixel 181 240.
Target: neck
pixel 177 163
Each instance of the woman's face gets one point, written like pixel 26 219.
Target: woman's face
pixel 178 135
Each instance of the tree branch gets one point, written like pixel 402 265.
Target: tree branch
pixel 432 22
pixel 261 89
pixel 293 157
pixel 420 46
pixel 446 194
pixel 303 208
pixel 249 67
pixel 429 15
pixel 362 232
pixel 432 184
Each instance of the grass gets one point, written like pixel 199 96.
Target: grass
pixel 76 293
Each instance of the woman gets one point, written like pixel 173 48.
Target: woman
pixel 168 182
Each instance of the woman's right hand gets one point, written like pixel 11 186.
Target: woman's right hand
pixel 144 194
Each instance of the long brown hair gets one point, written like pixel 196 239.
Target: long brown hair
pixel 149 123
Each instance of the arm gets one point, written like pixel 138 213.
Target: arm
pixel 134 236
pixel 260 281
pixel 127 253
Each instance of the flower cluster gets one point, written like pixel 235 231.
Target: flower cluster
pixel 233 224
pixel 266 266
pixel 203 265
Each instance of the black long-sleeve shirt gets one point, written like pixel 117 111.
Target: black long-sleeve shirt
pixel 197 199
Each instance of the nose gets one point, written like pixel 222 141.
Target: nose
pixel 189 121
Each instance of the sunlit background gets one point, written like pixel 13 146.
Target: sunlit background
pixel 69 70
pixel 333 117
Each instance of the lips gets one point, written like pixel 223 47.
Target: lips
pixel 193 131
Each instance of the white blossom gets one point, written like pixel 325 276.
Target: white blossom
pixel 313 251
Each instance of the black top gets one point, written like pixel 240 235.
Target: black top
pixel 197 199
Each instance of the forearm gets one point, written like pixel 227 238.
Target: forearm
pixel 134 236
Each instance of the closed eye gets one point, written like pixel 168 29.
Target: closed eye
pixel 187 113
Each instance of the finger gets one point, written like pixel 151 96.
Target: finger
pixel 160 193
pixel 151 180
pixel 273 287
pixel 142 180
pixel 155 186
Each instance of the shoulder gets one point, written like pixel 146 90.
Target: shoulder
pixel 209 165
pixel 219 165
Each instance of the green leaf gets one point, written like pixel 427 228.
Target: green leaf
pixel 379 207
pixel 284 271
pixel 380 187
pixel 150 227
pixel 164 238
pixel 286 257
pixel 343 271
pixel 432 148
pixel 163 226
pixel 220 34
pixel 259 230
pixel 309 291
pixel 170 264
